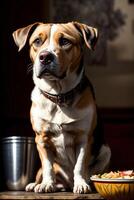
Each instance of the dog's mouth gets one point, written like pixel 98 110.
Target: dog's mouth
pixel 43 72
pixel 46 73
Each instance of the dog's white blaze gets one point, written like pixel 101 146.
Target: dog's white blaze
pixel 51 46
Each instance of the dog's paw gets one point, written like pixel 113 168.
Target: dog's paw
pixel 45 187
pixel 81 188
pixel 30 187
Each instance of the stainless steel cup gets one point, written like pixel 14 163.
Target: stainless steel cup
pixel 19 160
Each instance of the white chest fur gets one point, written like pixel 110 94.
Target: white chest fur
pixel 53 113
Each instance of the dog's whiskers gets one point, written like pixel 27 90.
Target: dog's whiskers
pixel 30 68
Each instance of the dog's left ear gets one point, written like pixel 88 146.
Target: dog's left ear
pixel 89 34
pixel 20 36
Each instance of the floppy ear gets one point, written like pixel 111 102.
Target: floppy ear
pixel 89 34
pixel 20 36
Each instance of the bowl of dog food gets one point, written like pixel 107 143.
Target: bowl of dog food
pixel 118 185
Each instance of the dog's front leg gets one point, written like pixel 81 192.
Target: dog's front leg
pixel 81 170
pixel 46 157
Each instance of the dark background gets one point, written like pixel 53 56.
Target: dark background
pixel 16 86
pixel 16 81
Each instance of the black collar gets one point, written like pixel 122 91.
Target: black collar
pixel 67 98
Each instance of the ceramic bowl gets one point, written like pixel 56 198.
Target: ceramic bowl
pixel 114 189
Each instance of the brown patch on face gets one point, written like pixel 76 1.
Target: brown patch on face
pixel 42 32
pixel 69 56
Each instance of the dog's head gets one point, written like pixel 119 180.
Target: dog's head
pixel 56 50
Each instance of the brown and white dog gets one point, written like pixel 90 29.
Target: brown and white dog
pixel 63 112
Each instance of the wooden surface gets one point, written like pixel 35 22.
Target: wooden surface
pixel 58 195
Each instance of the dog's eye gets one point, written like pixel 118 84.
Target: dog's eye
pixel 64 41
pixel 38 42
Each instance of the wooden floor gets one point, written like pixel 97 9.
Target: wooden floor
pixel 58 195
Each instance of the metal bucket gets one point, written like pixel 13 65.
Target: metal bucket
pixel 19 161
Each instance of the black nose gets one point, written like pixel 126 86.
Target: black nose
pixel 46 57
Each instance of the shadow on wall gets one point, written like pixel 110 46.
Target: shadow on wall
pixel 97 13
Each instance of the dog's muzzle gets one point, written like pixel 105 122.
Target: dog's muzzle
pixel 47 64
